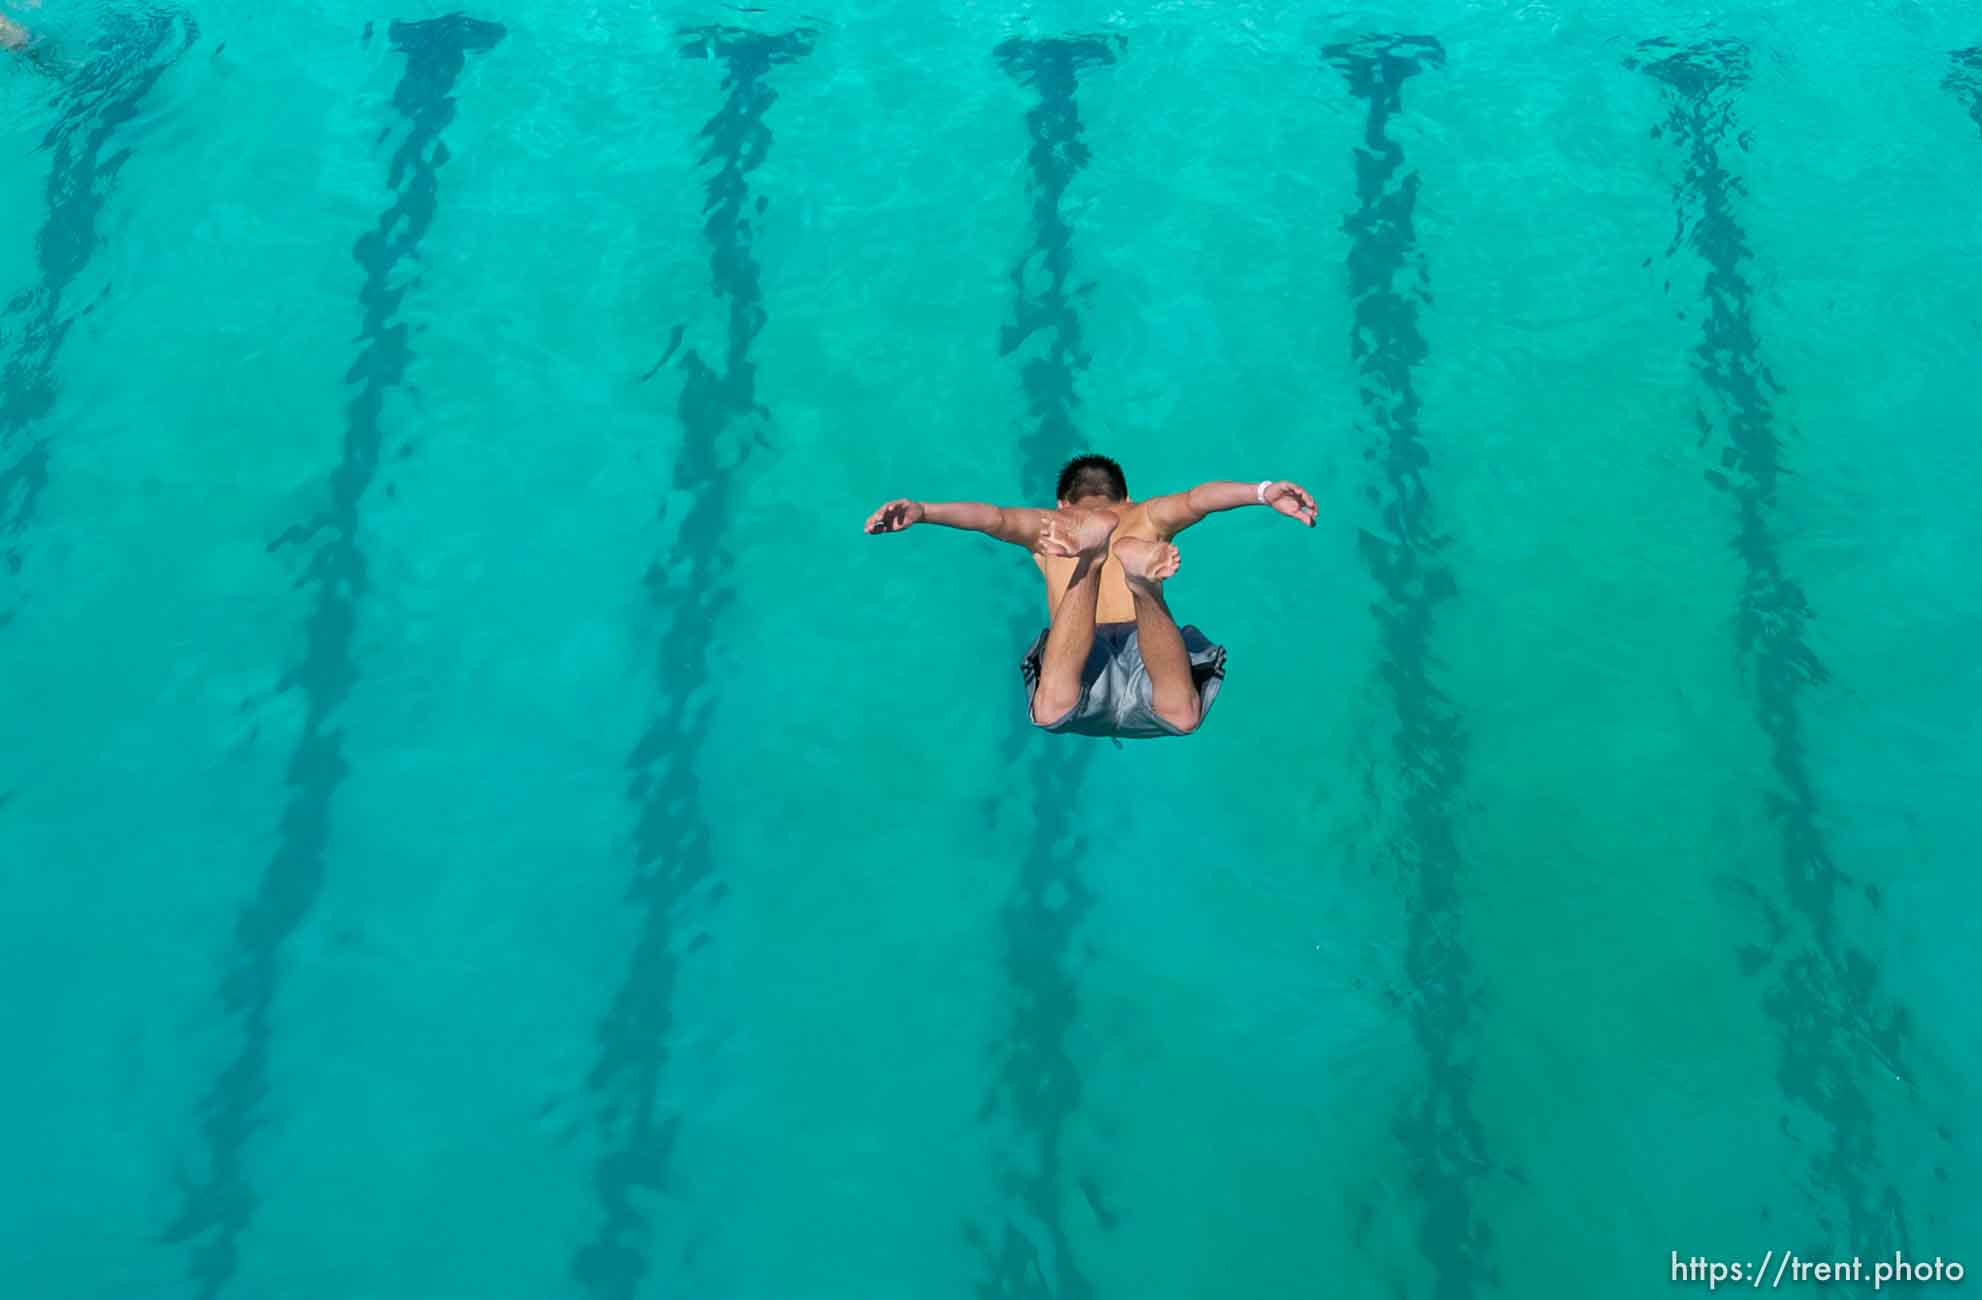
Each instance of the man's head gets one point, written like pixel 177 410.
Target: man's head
pixel 1092 476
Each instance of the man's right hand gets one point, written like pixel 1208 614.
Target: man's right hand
pixel 895 516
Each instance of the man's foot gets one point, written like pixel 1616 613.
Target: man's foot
pixel 1145 563
pixel 1068 533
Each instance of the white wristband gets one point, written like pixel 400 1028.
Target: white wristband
pixel 1264 484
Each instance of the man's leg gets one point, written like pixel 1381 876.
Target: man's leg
pixel 1173 695
pixel 1084 534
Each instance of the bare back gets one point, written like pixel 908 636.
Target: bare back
pixel 1114 604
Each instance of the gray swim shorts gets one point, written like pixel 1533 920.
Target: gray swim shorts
pixel 1114 687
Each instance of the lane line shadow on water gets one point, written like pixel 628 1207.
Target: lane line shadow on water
pixel 93 104
pixel 675 884
pixel 1964 80
pixel 1036 1083
pixel 1443 1143
pixel 1824 998
pixel 218 1206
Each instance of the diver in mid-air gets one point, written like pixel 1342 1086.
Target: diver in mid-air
pixel 1112 661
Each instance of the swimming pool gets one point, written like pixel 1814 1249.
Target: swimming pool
pixel 480 820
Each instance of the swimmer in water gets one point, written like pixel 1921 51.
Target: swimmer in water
pixel 13 36
pixel 1112 661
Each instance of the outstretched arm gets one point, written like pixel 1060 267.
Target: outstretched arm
pixel 1019 525
pixel 1174 513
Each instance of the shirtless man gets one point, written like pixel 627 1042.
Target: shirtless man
pixel 1111 662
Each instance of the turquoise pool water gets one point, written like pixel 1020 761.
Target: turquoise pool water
pixel 479 820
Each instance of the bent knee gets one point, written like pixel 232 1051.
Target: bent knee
pixel 1049 707
pixel 1184 718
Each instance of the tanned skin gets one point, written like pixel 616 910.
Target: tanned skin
pixel 1105 561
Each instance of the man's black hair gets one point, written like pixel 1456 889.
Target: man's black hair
pixel 1091 475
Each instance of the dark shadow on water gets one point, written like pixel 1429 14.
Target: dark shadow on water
pixel 1965 80
pixel 674 884
pixel 218 1205
pixel 1833 1024
pixel 93 103
pixel 1444 1147
pixel 1036 1086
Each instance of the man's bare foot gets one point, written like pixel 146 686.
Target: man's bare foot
pixel 1146 563
pixel 1067 533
